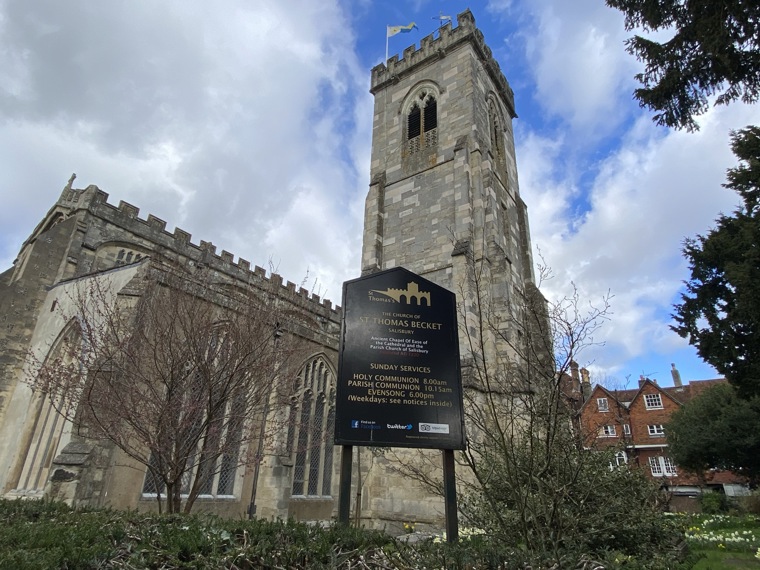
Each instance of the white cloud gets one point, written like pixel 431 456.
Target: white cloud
pixel 646 196
pixel 199 114
pixel 249 125
pixel 579 65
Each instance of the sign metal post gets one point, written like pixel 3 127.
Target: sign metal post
pixel 399 376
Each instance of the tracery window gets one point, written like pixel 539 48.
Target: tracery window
pixel 125 256
pixel 219 479
pixel 422 121
pixel 50 432
pixel 216 467
pixel 497 141
pixel 116 254
pixel 496 136
pixel 310 429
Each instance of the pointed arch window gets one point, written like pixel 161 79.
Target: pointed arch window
pixel 497 142
pixel 496 136
pixel 312 423
pixel 48 431
pixel 214 463
pixel 422 121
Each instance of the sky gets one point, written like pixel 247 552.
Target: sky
pixel 247 123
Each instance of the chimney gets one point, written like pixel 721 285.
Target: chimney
pixel 585 384
pixel 642 379
pixel 574 371
pixel 575 377
pixel 676 375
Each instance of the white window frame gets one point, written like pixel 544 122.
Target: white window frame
pixel 602 405
pixel 620 458
pixel 653 401
pixel 670 467
pixel 656 430
pixel 626 429
pixel 661 466
pixel 607 431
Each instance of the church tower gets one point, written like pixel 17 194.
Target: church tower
pixel 444 203
pixel 443 191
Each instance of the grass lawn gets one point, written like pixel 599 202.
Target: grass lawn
pixel 716 560
pixel 724 541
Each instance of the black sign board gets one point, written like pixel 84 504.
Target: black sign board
pixel 399 381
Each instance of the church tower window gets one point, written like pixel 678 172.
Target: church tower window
pixel 496 132
pixel 422 121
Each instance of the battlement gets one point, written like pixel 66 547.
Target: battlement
pixel 153 229
pixel 435 48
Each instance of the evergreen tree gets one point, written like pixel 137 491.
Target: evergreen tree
pixel 717 429
pixel 720 311
pixel 715 49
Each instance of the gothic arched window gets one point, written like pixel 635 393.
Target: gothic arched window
pixel 312 423
pixel 422 120
pixel 496 132
pixel 49 431
pixel 214 463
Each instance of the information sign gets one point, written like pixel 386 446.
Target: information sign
pixel 399 380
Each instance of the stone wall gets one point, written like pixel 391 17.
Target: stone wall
pixel 84 237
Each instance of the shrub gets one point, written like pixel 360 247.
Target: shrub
pixel 713 503
pixel 37 535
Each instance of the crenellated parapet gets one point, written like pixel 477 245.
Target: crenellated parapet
pixel 123 224
pixel 433 48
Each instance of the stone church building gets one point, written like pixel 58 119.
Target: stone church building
pixel 443 202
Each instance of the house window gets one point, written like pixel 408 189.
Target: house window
pixel 653 401
pixel 662 467
pixel 602 405
pixel 312 423
pixel 422 122
pixel 607 431
pixel 626 429
pixel 620 458
pixel 657 430
pixel 670 467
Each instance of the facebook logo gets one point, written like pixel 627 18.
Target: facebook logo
pixel 354 424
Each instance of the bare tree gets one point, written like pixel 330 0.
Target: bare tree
pixel 527 476
pixel 177 371
pixel 534 482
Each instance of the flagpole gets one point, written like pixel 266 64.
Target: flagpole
pixel 385 61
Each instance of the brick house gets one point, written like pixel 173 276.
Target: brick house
pixel 634 423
